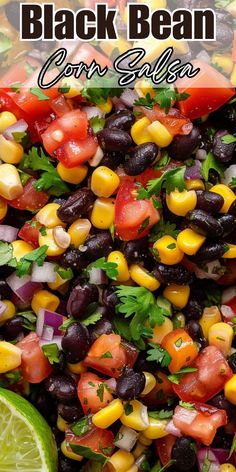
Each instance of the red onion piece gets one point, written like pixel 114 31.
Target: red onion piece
pixel 19 127
pixel 45 273
pixel 48 318
pixel 22 286
pixel 111 383
pixel 184 415
pixel 118 104
pixel 193 172
pixel 171 429
pixel 228 294
pixel 212 271
pixel 8 233
pixel 97 276
pixel 227 311
pixel 128 97
pixel 221 454
pixel 56 339
pixel 47 333
pixel 207 452
pixel 91 112
pixel 2 308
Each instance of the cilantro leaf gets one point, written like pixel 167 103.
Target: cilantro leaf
pixel 5 43
pixel 211 163
pixel 99 95
pixel 161 229
pixel 161 415
pixel 232 184
pixel 29 69
pixel 6 251
pixel 206 464
pixel 92 319
pixel 228 139
pixel 110 268
pixel 65 274
pixel 189 406
pixel 100 391
pixel 29 320
pixel 51 351
pixel 163 97
pixel 97 123
pixel 176 377
pixel 171 179
pixel 16 86
pixel 159 468
pixel 163 161
pixel 19 136
pixel 80 427
pixel 233 447
pixel 128 409
pixel 38 93
pixel 158 354
pixel 88 453
pixel 24 265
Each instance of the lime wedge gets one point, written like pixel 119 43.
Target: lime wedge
pixel 26 441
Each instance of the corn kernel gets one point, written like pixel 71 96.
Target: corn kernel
pixel 233 76
pixel 10 183
pixel 211 315
pixel 62 425
pixel 3 209
pixel 104 182
pixel 180 203
pixel 155 4
pixel 143 87
pixel 78 368
pixel 9 311
pixel 78 231
pixel 223 61
pixel 72 87
pixel 108 415
pixel 48 240
pixel 168 250
pixel 139 132
pixel 58 284
pixel 227 468
pixel 47 216
pixel 69 453
pixel 10 151
pixel 231 252
pixel 120 461
pixel 156 429
pixel 122 267
pixel 178 295
pixel 221 335
pixel 143 278
pixel 103 213
pixel 10 357
pixel 227 194
pixel 139 449
pixel 133 468
pixel 6 119
pixel 20 249
pixel 194 184
pixel 74 175
pixel 143 440
pixel 44 299
pixel 160 134
pixel 230 390
pixel 190 242
pixel 150 383
pixel 106 107
pixel 159 332
pixel 138 418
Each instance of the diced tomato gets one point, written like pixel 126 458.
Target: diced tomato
pixel 87 53
pixel 204 99
pixel 174 121
pixel 232 304
pixel 30 233
pixel 18 72
pixel 201 422
pixel 60 106
pixel 229 278
pixel 74 152
pixel 131 353
pixel 160 393
pixel 181 348
pixel 35 366
pixel 30 199
pixel 212 373
pixel 93 393
pixel 130 213
pixel 164 448
pixel 98 440
pixel 96 358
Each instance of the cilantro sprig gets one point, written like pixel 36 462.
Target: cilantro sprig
pixel 110 268
pixel 170 180
pixel 163 97
pixel 158 354
pixel 51 351
pixel 23 266
pixel 176 377
pixel 211 163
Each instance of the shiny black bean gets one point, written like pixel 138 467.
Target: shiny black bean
pixel 183 146
pixel 222 440
pixel 67 465
pixel 61 365
pixel 71 412
pixel 12 328
pixel 223 16
pixel 46 406
pixel 98 245
pixel 12 11
pixel 130 384
pixel 123 120
pixel 75 343
pixel 5 291
pixel 219 401
pixel 172 274
pixel 136 251
pixel 62 387
pixel 232 362
pixel 193 310
pixel 232 209
pixel 80 298
pixel 183 452
pixel 213 177
pixel 227 114
pixel 103 326
pixel 224 35
pixel 194 330
pixel 210 251
pixel 75 259
pixel 17 218
pixel 77 205
pixel 112 160
pixel 209 201
pixel 114 139
pixel 228 222
pixel 222 152
pixel 110 299
pixel 203 223
pixel 140 158
pixel 142 365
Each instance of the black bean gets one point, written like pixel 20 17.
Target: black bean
pixel 136 251
pixel 183 146
pixel 224 35
pixel 142 365
pixel 223 16
pixel 227 114
pixel 112 160
pixel 183 452
pixel 12 328
pixel 62 387
pixel 209 201
pixel 172 274
pixel 80 298
pixel 222 152
pixel 140 158
pixel 210 251
pixel 77 205
pixel 12 11
pixel 213 177
pixel 46 406
pixel 219 401
pixel 75 259
pixel 5 291
pixel 123 120
pixel 194 330
pixel 71 412
pixel 17 218
pixel 110 299
pixel 232 209
pixel 114 139
pixel 61 365
pixel 67 465
pixel 103 326
pixel 130 384
pixel 222 440
pixel 193 310
pixel 75 343
pixel 203 223
pixel 98 245
pixel 232 362
pixel 228 222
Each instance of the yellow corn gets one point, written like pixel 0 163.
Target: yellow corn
pixel 168 250
pixel 104 182
pixel 230 390
pixel 75 175
pixel 138 418
pixel 78 368
pixel 211 315
pixel 231 8
pixel 133 468
pixel 62 425
pixel 143 278
pixel 10 357
pixel 233 76
pixel 108 415
pixel 139 449
pixel 139 131
pixel 78 231
pixel 47 216
pixel 9 312
pixel 122 267
pixel 74 86
pixel 143 87
pixel 20 249
pixel 190 242
pixel 6 119
pixel 178 295
pixel 156 429
pixel 159 332
pixel 3 209
pixel 44 299
pixel 68 453
pixel 150 383
pixel 103 213
pixel 106 107
pixel 194 184
pixel 180 203
pixel 160 134
pixel 120 45
pixel 231 252
pixel 120 461
pixel 58 284
pixel 155 4
pixel 223 61
pixel 227 468
pixel 48 240
pixel 10 151
pixel 221 335
pixel 227 194
pixel 10 183
pixel 143 440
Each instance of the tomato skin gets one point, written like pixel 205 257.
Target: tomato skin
pixel 131 213
pixel 35 366
pixel 182 354
pixel 73 153
pixel 109 366
pixel 164 448
pixel 30 234
pixel 18 71
pixel 87 392
pixel 208 380
pixel 96 439
pixel 30 199
pixel 174 121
